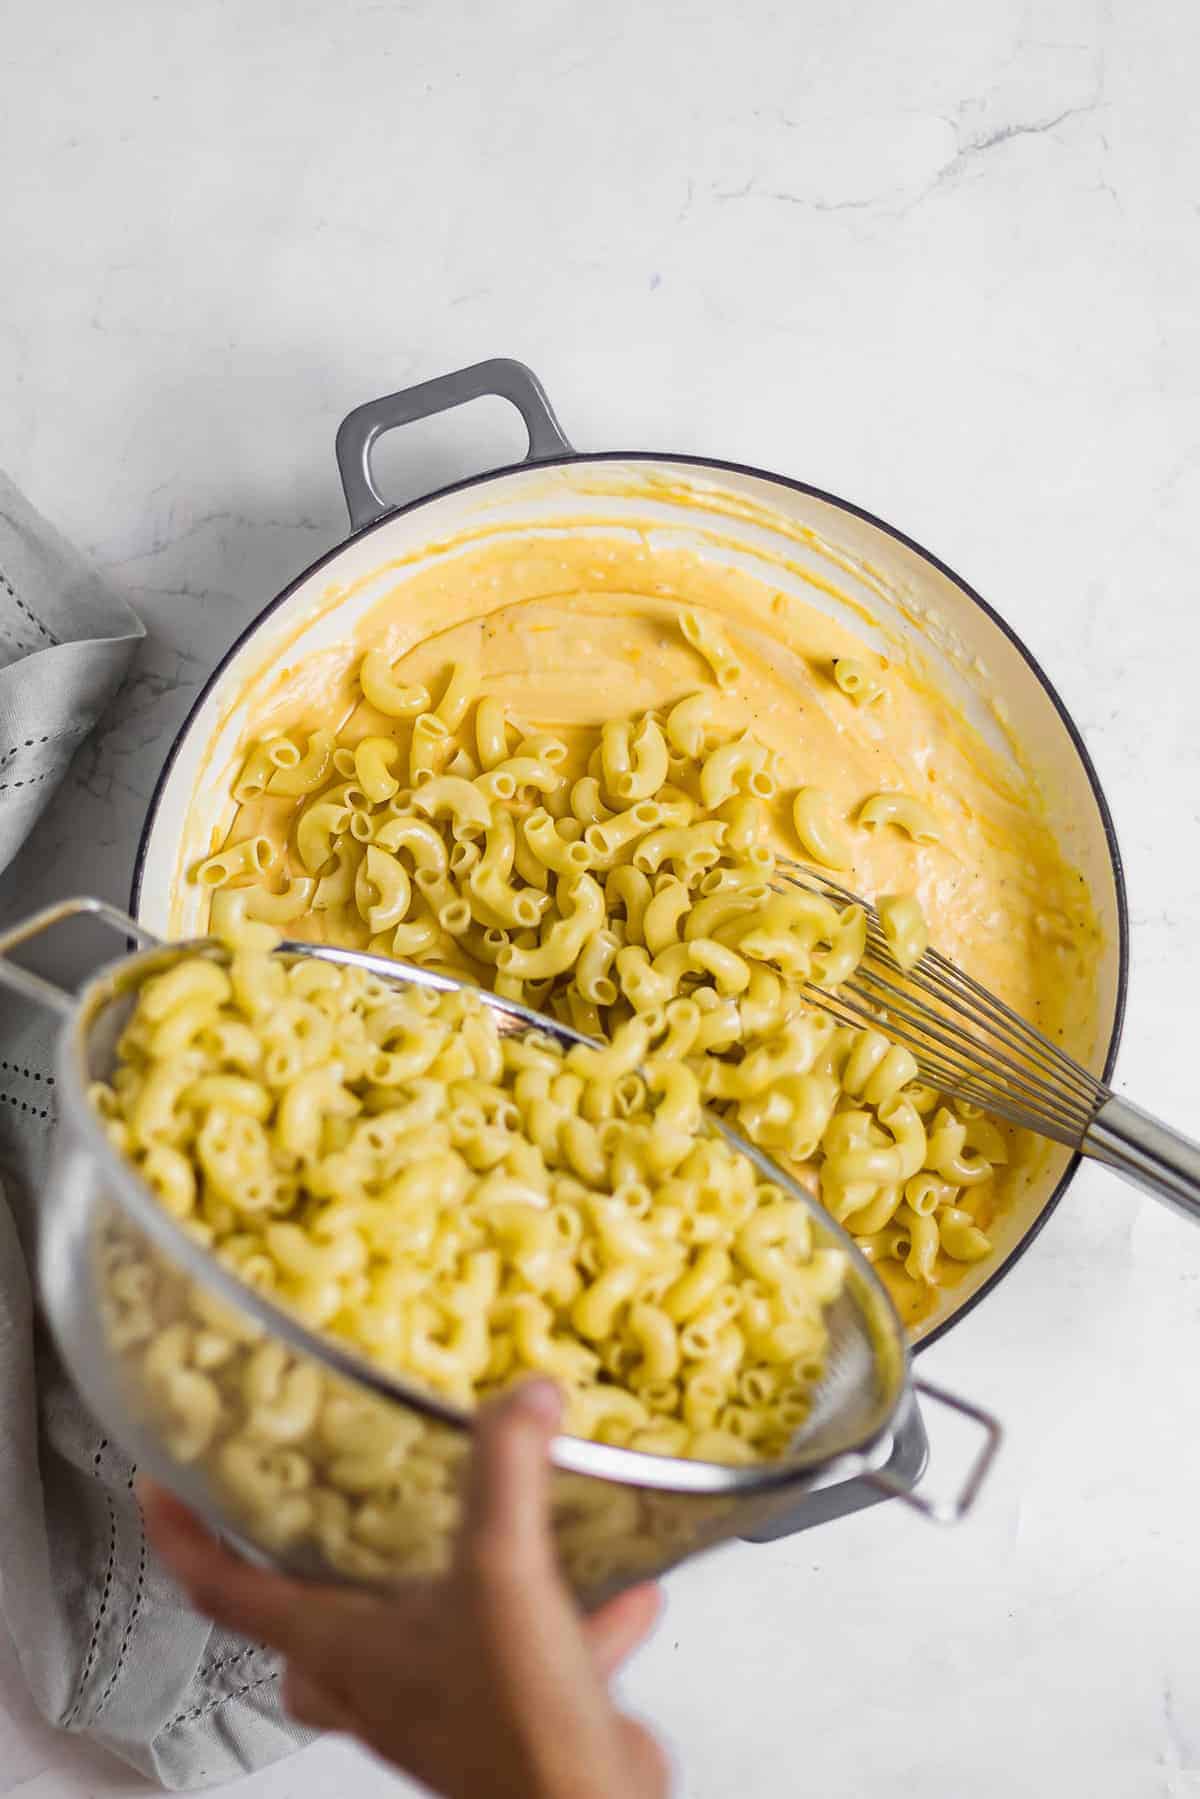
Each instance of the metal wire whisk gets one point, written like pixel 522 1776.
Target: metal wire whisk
pixel 970 1045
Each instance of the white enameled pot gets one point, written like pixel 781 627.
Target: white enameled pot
pixel 754 519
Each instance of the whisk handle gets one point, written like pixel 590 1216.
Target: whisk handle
pixel 1148 1153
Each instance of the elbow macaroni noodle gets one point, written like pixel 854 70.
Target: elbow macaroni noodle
pixel 904 927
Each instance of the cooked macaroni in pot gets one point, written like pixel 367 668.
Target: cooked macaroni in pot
pixel 574 771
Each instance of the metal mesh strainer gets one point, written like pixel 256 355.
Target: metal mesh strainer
pixel 119 1276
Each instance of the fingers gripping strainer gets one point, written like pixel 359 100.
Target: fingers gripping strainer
pixel 356 1476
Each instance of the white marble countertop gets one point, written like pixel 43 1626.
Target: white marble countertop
pixel 943 260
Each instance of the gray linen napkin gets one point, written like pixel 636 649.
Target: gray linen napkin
pixel 106 1644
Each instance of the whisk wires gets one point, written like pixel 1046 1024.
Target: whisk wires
pixel 966 1042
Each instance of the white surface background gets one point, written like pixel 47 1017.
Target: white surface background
pixel 940 258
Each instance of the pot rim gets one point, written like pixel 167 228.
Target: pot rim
pixel 818 493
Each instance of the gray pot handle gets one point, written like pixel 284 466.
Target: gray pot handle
pixel 500 376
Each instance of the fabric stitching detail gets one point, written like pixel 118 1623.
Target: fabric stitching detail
pixel 16 1071
pixel 33 743
pixel 203 1711
pixel 29 1074
pixel 19 603
pixel 21 1105
pixel 135 1608
pixel 105 1594
pixel 221 1662
pixel 51 774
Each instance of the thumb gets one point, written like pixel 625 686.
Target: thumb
pixel 533 1631
pixel 506 1530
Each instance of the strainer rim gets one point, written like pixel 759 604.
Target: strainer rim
pixel 570 1454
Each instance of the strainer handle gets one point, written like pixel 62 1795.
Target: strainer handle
pixel 35 986
pixel 948 1511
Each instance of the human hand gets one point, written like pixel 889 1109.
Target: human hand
pixel 487 1682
